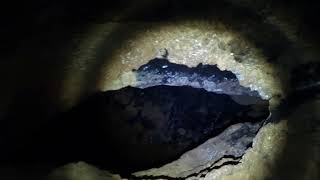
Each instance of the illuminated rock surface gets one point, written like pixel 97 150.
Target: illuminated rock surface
pixel 232 144
pixel 209 77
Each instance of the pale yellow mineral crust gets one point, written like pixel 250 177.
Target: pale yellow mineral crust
pixel 187 42
pixel 190 43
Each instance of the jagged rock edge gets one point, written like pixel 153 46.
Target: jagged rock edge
pixel 234 161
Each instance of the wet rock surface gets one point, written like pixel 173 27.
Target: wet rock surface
pixel 133 129
pixel 160 71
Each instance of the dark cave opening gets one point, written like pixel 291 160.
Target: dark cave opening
pixel 133 129
pixel 173 109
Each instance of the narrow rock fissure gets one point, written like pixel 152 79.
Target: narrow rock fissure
pixel 203 172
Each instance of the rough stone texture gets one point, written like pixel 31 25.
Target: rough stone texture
pixel 196 44
pixel 301 153
pixel 81 171
pixel 37 67
pixel 188 42
pixel 181 40
pixel 209 77
pixel 179 37
pixel 258 162
pixel 233 142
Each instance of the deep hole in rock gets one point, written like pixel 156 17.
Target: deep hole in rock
pixel 172 110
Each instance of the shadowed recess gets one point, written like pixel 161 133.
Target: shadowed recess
pixel 172 110
pixel 136 128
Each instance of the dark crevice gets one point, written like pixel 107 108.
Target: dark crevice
pixel 234 161
pixel 137 128
pixel 133 129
